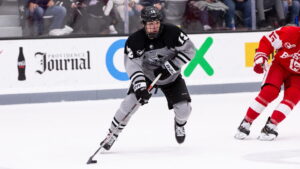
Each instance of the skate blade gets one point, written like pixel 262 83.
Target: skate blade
pixel 240 136
pixel 265 137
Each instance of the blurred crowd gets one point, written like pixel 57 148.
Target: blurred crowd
pixel 106 17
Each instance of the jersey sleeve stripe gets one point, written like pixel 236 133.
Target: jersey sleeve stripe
pixel 183 57
pixel 139 81
pixel 183 61
pixel 136 77
pixel 136 74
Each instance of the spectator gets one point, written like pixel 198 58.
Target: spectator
pixel 263 5
pixel 38 9
pixel 156 3
pixel 241 5
pixel 77 16
pixel 98 20
pixel 291 11
pixel 174 11
pixel 209 12
pixel 117 7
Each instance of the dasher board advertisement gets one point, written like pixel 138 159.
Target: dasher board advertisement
pixel 77 64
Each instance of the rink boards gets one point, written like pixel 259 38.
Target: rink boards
pixel 93 67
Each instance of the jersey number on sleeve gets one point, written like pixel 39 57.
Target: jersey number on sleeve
pixel 182 38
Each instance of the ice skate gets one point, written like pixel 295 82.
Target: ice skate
pixel 179 132
pixel 243 130
pixel 108 142
pixel 269 132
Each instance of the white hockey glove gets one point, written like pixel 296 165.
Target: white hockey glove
pixel 260 60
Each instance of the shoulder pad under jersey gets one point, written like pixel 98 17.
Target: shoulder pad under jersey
pixel 134 46
pixel 174 35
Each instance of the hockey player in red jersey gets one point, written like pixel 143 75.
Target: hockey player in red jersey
pixel 283 71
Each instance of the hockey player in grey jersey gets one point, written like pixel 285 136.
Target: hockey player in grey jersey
pixel 157 48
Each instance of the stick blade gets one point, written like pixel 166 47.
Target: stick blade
pixel 91 161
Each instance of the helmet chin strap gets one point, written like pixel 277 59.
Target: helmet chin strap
pixel 152 35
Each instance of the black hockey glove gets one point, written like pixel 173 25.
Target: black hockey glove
pixel 171 67
pixel 141 93
pixel 168 69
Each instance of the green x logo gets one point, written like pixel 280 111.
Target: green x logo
pixel 199 59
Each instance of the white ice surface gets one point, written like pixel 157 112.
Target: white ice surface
pixel 64 135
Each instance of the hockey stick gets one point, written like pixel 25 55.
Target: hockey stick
pixel 91 161
pixel 266 66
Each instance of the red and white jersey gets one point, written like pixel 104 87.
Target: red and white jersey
pixel 286 41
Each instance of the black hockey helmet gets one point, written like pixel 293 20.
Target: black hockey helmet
pixel 150 13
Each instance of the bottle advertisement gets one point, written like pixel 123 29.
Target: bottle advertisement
pixel 21 65
pixel 83 64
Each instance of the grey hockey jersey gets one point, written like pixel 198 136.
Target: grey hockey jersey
pixel 145 58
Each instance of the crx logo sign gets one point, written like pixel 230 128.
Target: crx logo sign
pixel 200 60
pixel 119 44
pixel 197 60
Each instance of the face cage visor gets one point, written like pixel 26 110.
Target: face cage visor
pixel 151 26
